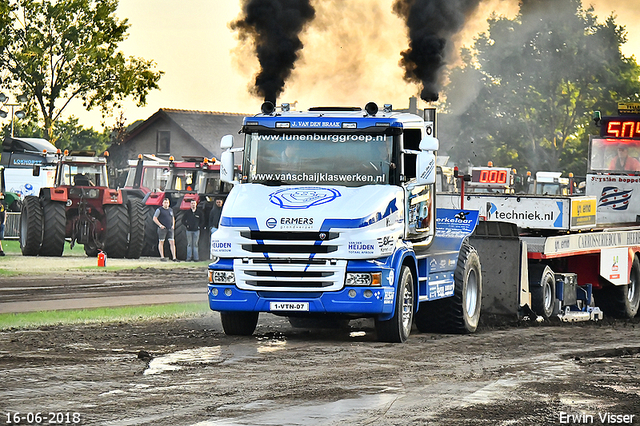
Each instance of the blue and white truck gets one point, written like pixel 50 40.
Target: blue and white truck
pixel 335 218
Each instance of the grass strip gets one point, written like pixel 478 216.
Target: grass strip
pixel 28 320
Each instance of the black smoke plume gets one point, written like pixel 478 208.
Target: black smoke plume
pixel 431 24
pixel 274 26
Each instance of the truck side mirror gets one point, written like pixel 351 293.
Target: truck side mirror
pixel 429 143
pixel 426 161
pixel 226 160
pixel 426 168
pixel 36 169
pixel 226 142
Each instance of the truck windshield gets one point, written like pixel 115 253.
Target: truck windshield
pixel 319 159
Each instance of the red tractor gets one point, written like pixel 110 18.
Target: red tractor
pixel 146 174
pixel 195 178
pixel 81 208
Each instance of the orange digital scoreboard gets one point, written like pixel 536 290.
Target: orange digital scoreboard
pixel 620 127
pixel 490 177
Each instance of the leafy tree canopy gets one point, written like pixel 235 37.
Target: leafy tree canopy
pixel 525 92
pixel 55 51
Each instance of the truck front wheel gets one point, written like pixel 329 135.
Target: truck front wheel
pixel 239 323
pixel 398 328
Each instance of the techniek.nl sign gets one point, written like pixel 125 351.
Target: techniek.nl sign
pixel 538 213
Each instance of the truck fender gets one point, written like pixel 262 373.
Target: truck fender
pixel 400 257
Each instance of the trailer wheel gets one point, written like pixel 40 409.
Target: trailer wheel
pixel 461 312
pixel 398 328
pixel 31 226
pixel 136 228
pixel 180 235
pixel 116 231
pixel 622 301
pixel 54 228
pixel 543 296
pixel 239 323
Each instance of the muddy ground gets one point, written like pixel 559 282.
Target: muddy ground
pixel 185 371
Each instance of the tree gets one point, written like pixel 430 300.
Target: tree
pixel 525 93
pixel 55 51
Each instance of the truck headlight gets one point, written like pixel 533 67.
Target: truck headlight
pixel 363 279
pixel 221 277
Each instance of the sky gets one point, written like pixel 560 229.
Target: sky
pixel 350 56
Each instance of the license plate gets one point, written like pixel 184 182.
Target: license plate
pixel 289 306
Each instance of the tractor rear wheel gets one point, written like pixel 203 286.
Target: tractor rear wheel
pixel 116 231
pixel 31 226
pixel 55 228
pixel 150 233
pixel 90 250
pixel 180 234
pixel 136 228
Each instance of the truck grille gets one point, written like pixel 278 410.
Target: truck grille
pixel 288 248
pixel 289 274
pixel 278 242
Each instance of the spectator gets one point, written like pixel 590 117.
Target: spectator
pixel 193 220
pixel 214 216
pixel 214 220
pixel 163 217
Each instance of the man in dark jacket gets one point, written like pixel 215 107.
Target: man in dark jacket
pixel 214 216
pixel 193 220
pixel 214 220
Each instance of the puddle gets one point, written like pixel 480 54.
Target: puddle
pixel 271 346
pixel 306 414
pixel 492 392
pixel 172 361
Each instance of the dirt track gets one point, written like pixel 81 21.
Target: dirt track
pixel 187 372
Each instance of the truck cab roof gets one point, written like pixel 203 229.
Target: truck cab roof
pixel 333 119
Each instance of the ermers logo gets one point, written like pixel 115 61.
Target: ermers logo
pixel 271 222
pixel 303 197
pixel 296 221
